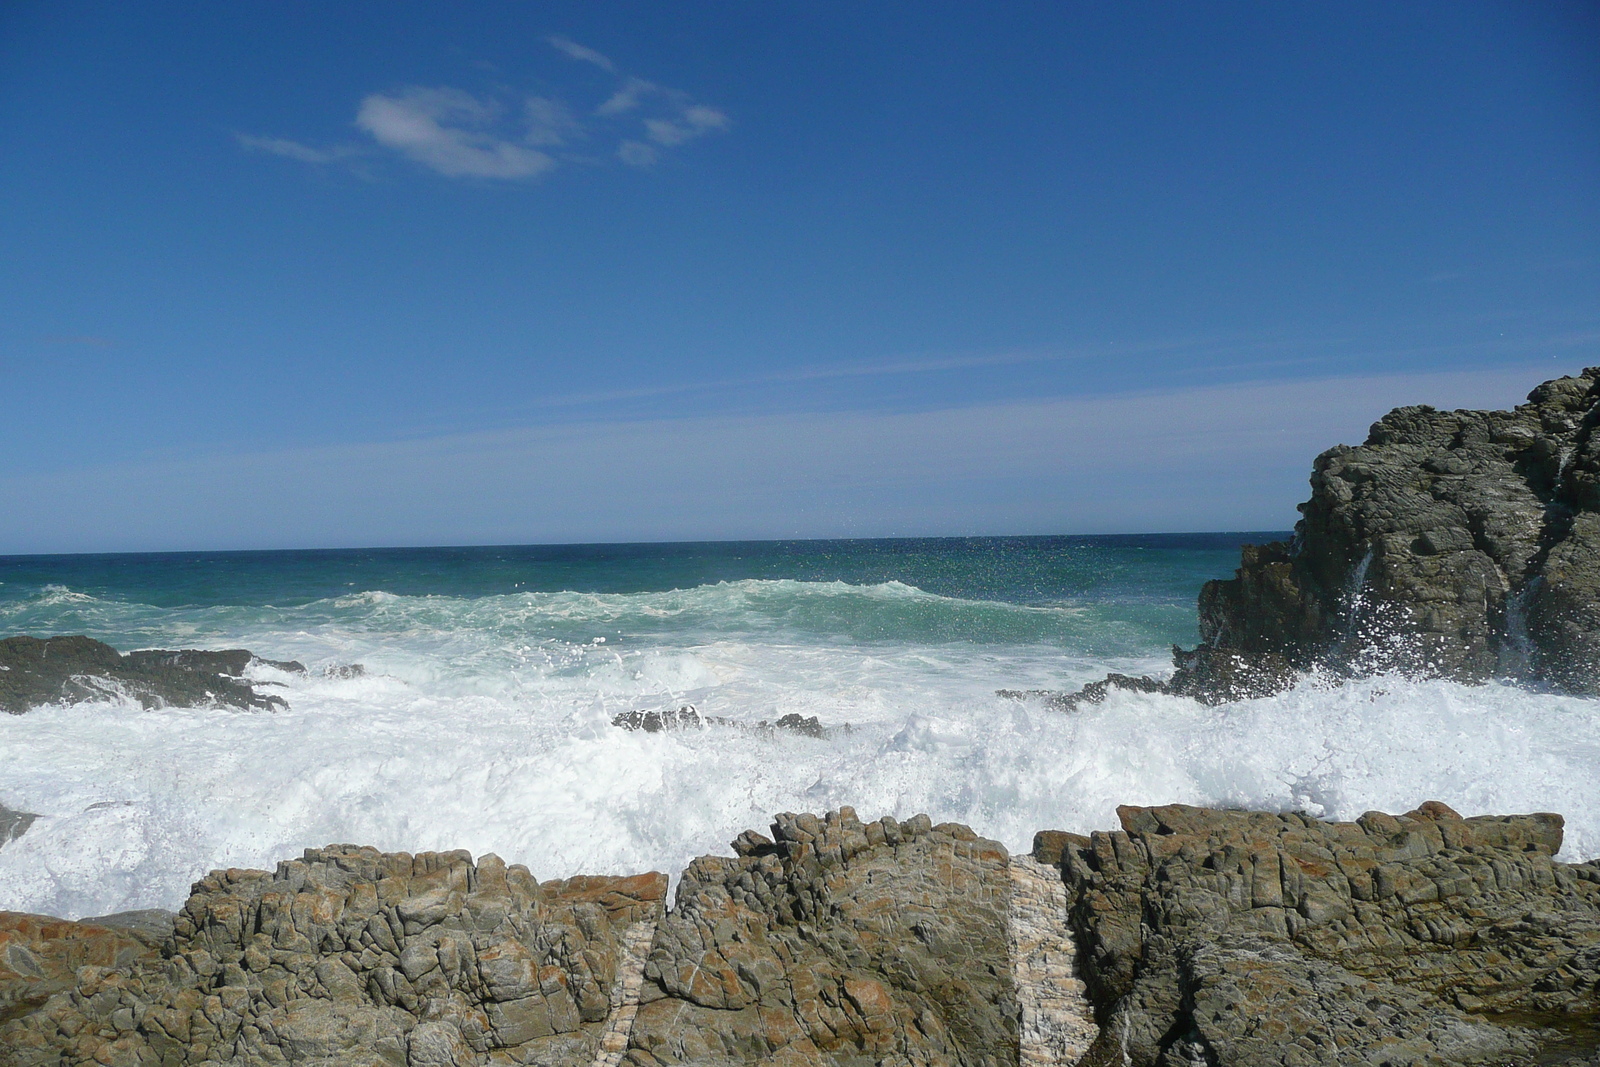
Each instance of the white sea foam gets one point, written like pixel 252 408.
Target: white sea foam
pixel 485 724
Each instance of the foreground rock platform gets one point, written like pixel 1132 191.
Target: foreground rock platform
pixel 1188 937
pixel 1249 938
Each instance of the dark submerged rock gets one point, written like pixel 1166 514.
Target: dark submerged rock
pixel 1250 938
pixel 688 717
pixel 13 824
pixel 72 669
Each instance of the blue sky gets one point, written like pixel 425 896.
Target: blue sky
pixel 302 274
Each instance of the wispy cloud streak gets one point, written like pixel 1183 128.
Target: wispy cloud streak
pixel 499 136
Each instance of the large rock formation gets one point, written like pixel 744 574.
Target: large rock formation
pixel 1251 939
pixel 1453 544
pixel 346 957
pixel 67 670
pixel 1464 544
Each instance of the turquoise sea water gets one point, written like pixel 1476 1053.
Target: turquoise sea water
pixel 482 719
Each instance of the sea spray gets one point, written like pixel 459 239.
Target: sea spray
pixel 484 722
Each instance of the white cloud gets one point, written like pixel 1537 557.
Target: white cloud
pixel 579 52
pixel 637 154
pixel 627 97
pixel 278 146
pixel 550 122
pixel 449 131
pixel 694 121
pixel 459 135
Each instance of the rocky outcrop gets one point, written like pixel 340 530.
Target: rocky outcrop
pixel 1189 937
pixel 688 717
pixel 1453 544
pixel 835 942
pixel 1463 544
pixel 346 957
pixel 68 670
pixel 1250 938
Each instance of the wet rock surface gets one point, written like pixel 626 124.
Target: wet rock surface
pixel 1462 544
pixel 347 956
pixel 1453 544
pixel 72 669
pixel 13 824
pixel 835 942
pixel 688 717
pixel 1250 938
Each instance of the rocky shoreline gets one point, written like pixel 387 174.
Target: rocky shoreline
pixel 1187 936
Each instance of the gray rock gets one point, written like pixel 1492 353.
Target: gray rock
pixel 152 924
pixel 13 824
pixel 1461 544
pixel 835 942
pixel 347 956
pixel 1249 938
pixel 1454 544
pixel 688 717
pixel 71 669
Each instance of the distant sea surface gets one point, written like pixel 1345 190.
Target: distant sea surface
pixel 482 716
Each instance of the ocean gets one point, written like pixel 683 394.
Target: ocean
pixel 482 716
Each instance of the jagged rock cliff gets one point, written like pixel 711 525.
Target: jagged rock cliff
pixel 346 958
pixel 1452 544
pixel 1461 544
pixel 1252 939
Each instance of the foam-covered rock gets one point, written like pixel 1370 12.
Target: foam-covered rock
pixel 71 669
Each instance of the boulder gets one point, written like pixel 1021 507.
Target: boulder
pixel 13 824
pixel 1457 544
pixel 1251 938
pixel 835 942
pixel 347 956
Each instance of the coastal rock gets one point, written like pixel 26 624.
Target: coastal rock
pixel 1188 937
pixel 688 717
pixel 13 824
pixel 41 957
pixel 347 956
pixel 1251 938
pixel 1451 544
pixel 71 669
pixel 836 942
pixel 1458 544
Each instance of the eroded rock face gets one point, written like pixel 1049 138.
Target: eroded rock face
pixel 350 957
pixel 835 942
pixel 1462 544
pixel 1249 938
pixel 68 670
